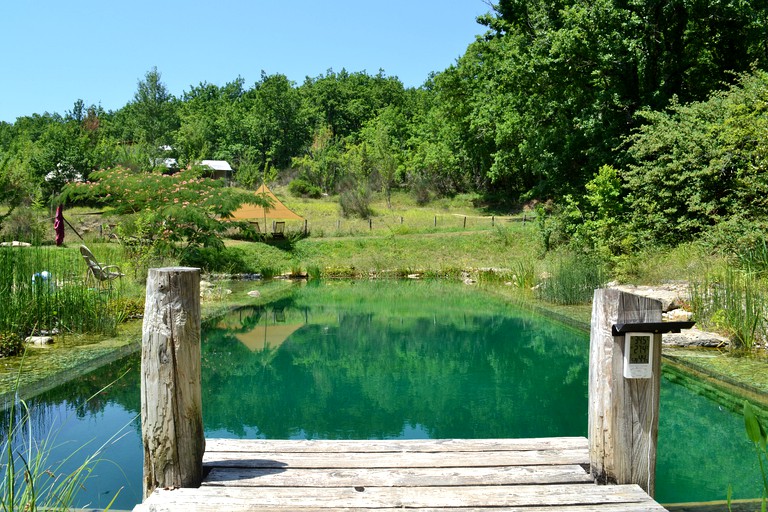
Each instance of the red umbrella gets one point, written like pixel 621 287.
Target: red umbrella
pixel 58 225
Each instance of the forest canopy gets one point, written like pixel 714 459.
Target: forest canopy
pixel 655 106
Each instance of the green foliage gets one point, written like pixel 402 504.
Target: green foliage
pixel 355 200
pixel 152 113
pixel 228 260
pixel 300 187
pixel 11 344
pixel 572 279
pixel 754 259
pixel 757 435
pixel 44 290
pixel 27 225
pixel 732 302
pixel 126 308
pixel 700 164
pixel 177 211
pixel 16 185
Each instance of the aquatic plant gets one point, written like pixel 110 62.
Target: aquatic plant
pixel 732 302
pixel 44 289
pixel 10 344
pixel 572 280
pixel 29 480
pixel 757 435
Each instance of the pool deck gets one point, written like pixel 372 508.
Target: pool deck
pixel 530 475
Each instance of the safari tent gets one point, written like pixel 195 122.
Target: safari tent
pixel 259 216
pixel 278 211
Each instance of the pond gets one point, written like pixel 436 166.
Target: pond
pixel 384 360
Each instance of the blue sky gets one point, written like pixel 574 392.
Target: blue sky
pixel 55 52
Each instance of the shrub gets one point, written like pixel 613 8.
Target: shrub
pixel 25 224
pixel 302 188
pixel 355 201
pixel 178 211
pixel 215 259
pixel 10 344
pixel 739 236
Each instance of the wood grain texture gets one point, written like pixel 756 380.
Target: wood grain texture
pixel 623 413
pixel 421 475
pixel 479 497
pixel 171 409
pixel 396 477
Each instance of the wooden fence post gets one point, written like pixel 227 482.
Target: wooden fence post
pixel 171 409
pixel 623 413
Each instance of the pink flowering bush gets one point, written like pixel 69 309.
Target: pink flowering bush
pixel 176 211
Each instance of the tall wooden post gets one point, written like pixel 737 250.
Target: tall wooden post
pixel 623 413
pixel 171 410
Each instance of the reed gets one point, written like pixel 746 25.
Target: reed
pixel 755 259
pixel 571 279
pixel 44 290
pixel 29 480
pixel 733 302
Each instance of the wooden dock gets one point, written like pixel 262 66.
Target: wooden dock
pixel 424 475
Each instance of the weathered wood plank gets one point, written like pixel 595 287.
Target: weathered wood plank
pixel 609 507
pixel 171 405
pixel 233 498
pixel 407 477
pixel 623 413
pixel 394 445
pixel 395 460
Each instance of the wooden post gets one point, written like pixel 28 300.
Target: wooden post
pixel 493 220
pixel 305 227
pixel 171 410
pixel 370 223
pixel 623 413
pixel 465 222
pixel 435 220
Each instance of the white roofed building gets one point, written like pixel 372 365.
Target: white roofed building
pixel 219 168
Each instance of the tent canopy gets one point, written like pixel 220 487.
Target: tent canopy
pixel 264 336
pixel 277 211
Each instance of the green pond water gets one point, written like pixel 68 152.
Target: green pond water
pixel 383 360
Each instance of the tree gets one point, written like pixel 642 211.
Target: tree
pixel 702 167
pixel 180 211
pixel 321 165
pixel 277 121
pixel 545 98
pixel 153 111
pixel 383 135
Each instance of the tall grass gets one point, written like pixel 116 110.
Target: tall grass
pixel 733 302
pixel 572 279
pixel 29 480
pixel 755 259
pixel 44 289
